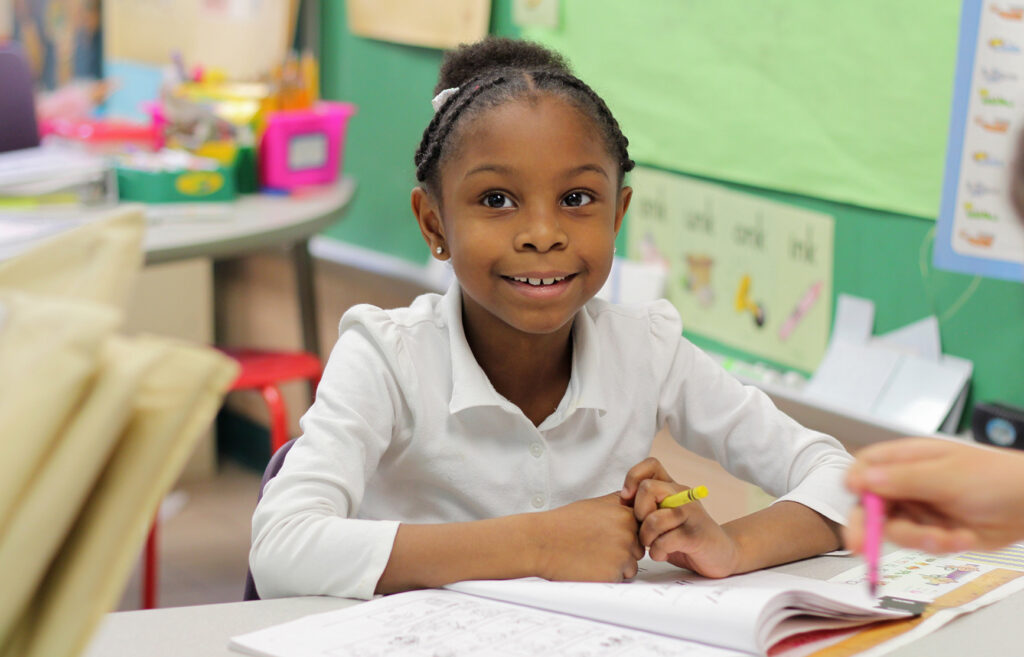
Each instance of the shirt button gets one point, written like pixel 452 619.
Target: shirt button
pixel 537 501
pixel 536 449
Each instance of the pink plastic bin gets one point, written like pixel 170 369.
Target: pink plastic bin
pixel 304 147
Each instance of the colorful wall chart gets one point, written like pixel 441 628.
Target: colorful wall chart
pixel 978 231
pixel 751 273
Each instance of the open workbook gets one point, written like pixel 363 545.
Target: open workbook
pixel 664 610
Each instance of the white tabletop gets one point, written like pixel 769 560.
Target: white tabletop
pixel 215 230
pixel 204 630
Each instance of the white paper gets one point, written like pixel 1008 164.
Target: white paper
pixel 739 612
pixel 432 623
pixel 633 282
pixel 854 320
pixel 852 376
pixel 920 338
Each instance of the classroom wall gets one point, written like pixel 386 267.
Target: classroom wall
pixel 884 256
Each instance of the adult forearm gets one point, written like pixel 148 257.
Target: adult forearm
pixel 783 532
pixel 429 556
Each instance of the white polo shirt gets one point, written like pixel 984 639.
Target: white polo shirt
pixel 406 427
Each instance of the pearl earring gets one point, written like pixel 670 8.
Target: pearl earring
pixel 439 250
pixel 615 250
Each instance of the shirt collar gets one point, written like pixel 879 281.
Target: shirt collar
pixel 471 387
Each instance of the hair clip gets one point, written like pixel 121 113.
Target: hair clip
pixel 442 98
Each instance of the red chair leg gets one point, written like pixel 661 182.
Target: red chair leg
pixel 278 417
pixel 150 567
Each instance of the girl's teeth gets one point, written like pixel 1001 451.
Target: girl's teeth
pixel 539 281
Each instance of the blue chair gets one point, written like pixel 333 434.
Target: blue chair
pixel 273 467
pixel 18 127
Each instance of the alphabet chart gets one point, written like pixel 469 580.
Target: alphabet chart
pixel 752 273
pixel 978 231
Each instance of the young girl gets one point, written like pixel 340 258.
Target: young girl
pixel 481 434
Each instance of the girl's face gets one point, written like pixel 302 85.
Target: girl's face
pixel 529 213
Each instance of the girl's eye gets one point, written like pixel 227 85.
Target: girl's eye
pixel 577 199
pixel 497 200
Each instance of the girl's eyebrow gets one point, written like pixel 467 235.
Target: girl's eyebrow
pixel 489 168
pixel 500 169
pixel 587 167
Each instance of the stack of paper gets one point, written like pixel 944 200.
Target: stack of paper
pixel 54 174
pixel 901 378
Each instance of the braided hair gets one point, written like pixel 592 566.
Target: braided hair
pixel 494 71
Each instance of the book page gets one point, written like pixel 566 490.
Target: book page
pixel 953 585
pixel 737 612
pixel 430 623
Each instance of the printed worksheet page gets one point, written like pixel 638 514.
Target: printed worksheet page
pixel 431 623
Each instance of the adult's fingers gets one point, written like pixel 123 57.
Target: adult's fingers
pixel 902 450
pixel 930 538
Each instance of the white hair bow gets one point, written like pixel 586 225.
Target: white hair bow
pixel 442 98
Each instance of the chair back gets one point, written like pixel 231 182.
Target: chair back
pixel 18 127
pixel 273 467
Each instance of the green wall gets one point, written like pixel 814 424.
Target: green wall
pixel 879 255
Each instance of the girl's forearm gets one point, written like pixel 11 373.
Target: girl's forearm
pixel 430 556
pixel 784 532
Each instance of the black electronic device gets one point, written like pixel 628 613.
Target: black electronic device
pixel 998 424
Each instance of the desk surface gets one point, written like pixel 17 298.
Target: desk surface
pixel 214 230
pixel 204 631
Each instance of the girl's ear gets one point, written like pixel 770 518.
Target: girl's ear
pixel 625 196
pixel 428 215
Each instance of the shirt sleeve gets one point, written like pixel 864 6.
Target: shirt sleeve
pixel 708 411
pixel 306 539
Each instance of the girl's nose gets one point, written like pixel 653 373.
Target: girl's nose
pixel 541 231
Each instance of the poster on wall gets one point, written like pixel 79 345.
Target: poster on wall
pixel 978 231
pixel 439 24
pixel 748 272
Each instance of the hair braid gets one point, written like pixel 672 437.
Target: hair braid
pixel 498 70
pixel 613 130
pixel 444 121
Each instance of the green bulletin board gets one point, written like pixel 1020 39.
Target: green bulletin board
pixel 847 101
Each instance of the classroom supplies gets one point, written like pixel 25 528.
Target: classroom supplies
pixel 304 147
pixel 173 176
pixel 874 517
pixel 664 607
pixel 684 497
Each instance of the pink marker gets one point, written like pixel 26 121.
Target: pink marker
pixel 805 304
pixel 874 516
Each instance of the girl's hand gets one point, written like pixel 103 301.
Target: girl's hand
pixel 941 495
pixel 592 540
pixel 685 536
